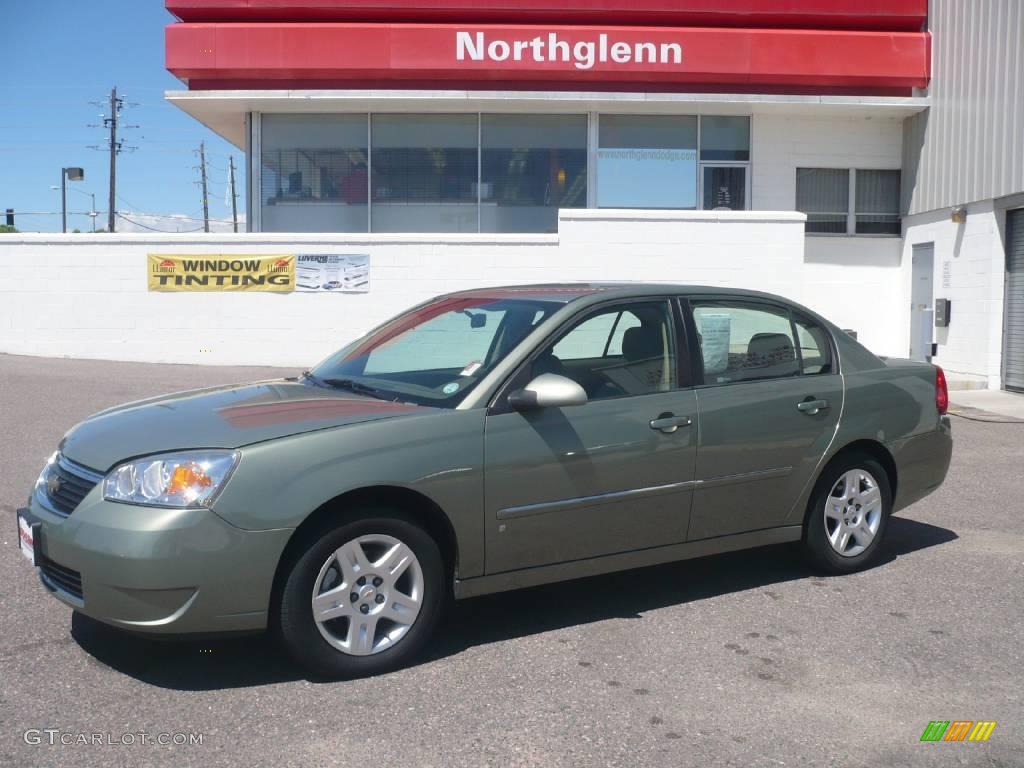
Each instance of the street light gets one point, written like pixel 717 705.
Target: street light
pixel 93 213
pixel 67 174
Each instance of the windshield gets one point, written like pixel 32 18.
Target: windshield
pixel 436 353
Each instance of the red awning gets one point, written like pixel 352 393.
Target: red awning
pixel 889 15
pixel 278 55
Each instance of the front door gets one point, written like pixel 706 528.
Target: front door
pixel 571 483
pixel 769 406
pixel 724 187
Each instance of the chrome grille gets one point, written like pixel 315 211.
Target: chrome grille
pixel 71 481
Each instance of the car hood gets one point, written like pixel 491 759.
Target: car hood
pixel 219 417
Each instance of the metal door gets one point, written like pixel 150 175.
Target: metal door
pixel 922 298
pixel 1013 323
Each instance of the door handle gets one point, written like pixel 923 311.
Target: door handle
pixel 669 422
pixel 811 407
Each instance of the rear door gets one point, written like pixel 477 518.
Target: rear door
pixel 571 483
pixel 769 405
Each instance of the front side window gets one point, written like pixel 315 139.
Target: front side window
pixel 618 351
pixel 434 354
pixel 744 342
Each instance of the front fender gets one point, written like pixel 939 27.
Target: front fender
pixel 439 454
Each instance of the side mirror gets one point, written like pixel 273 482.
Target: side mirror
pixel 549 390
pixel 476 319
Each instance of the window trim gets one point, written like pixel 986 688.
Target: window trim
pixel 498 403
pixel 697 359
pixel 851 212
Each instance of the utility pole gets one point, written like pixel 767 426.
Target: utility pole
pixel 115 108
pixel 206 198
pixel 234 196
pixel 114 146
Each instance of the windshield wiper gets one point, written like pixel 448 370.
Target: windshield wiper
pixel 357 386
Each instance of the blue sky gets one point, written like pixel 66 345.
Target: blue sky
pixel 56 56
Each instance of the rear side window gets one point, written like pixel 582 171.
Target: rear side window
pixel 814 347
pixel 745 342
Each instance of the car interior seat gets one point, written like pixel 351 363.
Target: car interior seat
pixel 770 354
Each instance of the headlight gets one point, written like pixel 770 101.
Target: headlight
pixel 41 480
pixel 189 479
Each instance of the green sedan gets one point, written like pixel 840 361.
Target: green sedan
pixel 485 441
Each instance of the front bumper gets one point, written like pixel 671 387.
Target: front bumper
pixel 170 571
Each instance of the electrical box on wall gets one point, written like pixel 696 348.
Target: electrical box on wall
pixel 942 309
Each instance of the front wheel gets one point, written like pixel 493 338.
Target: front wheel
pixel 363 598
pixel 848 514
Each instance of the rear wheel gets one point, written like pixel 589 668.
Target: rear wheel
pixel 848 515
pixel 363 598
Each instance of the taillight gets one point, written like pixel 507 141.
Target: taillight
pixel 941 391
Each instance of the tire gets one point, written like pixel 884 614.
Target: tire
pixel 365 636
pixel 832 512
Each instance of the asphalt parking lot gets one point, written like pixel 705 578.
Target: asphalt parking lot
pixel 746 659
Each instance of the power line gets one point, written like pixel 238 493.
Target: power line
pixel 177 217
pixel 154 229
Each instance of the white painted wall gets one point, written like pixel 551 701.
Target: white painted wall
pixel 781 143
pixel 857 282
pixel 86 295
pixel 972 344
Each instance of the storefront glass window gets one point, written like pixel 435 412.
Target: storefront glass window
pixel 424 173
pixel 530 166
pixel 314 173
pixel 647 161
pixel 725 138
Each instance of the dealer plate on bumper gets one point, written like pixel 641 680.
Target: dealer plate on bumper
pixel 28 535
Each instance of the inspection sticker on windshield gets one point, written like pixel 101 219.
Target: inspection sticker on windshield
pixel 28 546
pixel 451 388
pixel 470 369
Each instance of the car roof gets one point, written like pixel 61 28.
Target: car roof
pixel 563 293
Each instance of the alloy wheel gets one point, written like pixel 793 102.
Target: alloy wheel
pixel 368 594
pixel 853 512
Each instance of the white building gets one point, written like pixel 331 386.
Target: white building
pixel 864 158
